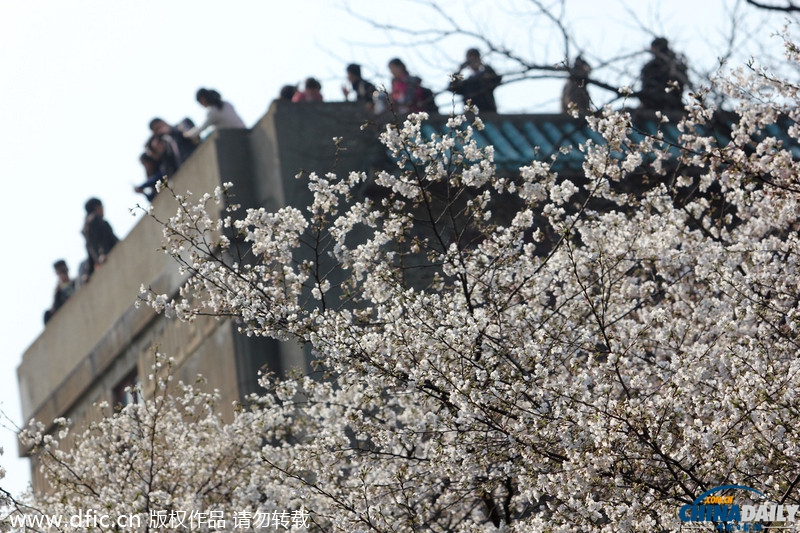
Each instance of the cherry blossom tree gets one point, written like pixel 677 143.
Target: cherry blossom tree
pixel 169 462
pixel 501 352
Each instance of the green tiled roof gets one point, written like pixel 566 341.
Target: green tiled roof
pixel 520 139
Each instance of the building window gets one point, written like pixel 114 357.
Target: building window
pixel 127 391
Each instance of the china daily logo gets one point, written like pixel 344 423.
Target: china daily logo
pixel 718 507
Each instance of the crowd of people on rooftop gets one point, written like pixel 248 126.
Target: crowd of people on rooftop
pixel 663 80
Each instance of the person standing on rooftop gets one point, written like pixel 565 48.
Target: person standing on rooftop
pixel 97 232
pixel 312 92
pixel 479 86
pixel 220 114
pixel 64 289
pixel 663 79
pixel 361 88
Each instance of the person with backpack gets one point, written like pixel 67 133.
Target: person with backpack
pixel 663 79
pixel 480 85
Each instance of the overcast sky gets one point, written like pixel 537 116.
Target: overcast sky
pixel 80 80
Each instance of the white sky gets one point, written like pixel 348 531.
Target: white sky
pixel 80 80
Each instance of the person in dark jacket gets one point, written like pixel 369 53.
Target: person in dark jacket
pixel 363 90
pixel 97 232
pixel 152 169
pixel 174 138
pixel 64 289
pixel 663 79
pixel 576 91
pixel 480 85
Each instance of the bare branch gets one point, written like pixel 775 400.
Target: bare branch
pixel 789 7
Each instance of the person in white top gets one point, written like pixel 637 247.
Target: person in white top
pixel 221 115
